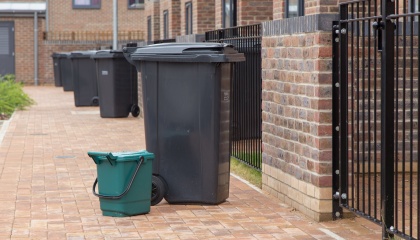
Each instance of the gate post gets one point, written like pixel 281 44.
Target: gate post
pixel 344 146
pixel 387 118
pixel 337 209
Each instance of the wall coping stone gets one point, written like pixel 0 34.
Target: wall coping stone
pixel 304 24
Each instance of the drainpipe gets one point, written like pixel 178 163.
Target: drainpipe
pixel 115 26
pixel 47 28
pixel 36 47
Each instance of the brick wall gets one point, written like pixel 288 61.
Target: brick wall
pixel 203 16
pixel 152 9
pixel 297 130
pixel 62 17
pixel 278 9
pixel 174 11
pixel 252 12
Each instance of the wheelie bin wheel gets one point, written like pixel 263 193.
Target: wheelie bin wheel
pixel 135 110
pixel 158 190
pixel 95 101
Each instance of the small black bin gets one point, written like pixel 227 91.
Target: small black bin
pixel 85 78
pixel 117 84
pixel 66 72
pixel 56 64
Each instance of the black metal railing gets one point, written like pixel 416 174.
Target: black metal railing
pixel 376 52
pixel 246 90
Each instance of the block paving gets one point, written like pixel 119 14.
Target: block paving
pixel 46 182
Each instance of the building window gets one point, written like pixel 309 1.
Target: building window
pixel 87 4
pixel 149 29
pixel 188 18
pixel 414 8
pixel 135 4
pixel 229 13
pixel 165 24
pixel 294 8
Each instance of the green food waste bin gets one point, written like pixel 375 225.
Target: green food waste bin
pixel 125 182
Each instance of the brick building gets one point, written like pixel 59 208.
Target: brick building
pixel 187 20
pixel 63 25
pixel 296 74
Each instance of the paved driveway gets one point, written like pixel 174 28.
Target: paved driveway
pixel 46 179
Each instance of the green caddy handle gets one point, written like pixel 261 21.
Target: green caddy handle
pixel 108 156
pixel 126 189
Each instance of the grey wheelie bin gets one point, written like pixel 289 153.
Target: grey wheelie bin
pixel 66 72
pixel 186 100
pixel 117 85
pixel 85 78
pixel 56 64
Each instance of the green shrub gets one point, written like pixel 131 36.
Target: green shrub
pixel 12 96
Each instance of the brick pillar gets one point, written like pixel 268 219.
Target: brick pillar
pixel 297 127
pixel 218 14
pixel 152 9
pixel 278 9
pixel 203 16
pixel 174 11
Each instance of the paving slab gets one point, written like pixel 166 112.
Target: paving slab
pixel 46 182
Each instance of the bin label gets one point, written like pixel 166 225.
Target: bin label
pixel 225 96
pixel 104 72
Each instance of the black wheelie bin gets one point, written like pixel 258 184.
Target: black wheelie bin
pixel 117 85
pixel 56 64
pixel 66 72
pixel 186 101
pixel 85 78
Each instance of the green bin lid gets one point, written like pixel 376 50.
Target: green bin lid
pixel 120 156
pixel 188 52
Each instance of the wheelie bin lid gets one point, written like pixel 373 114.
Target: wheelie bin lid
pixel 186 52
pixel 114 157
pixel 82 54
pixel 108 54
pixel 60 54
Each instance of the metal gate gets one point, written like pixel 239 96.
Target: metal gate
pixel 376 113
pixel 246 144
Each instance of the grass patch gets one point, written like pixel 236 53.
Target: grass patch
pixel 252 157
pixel 246 172
pixel 12 96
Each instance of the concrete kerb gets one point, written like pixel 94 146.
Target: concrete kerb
pixel 4 126
pixel 246 182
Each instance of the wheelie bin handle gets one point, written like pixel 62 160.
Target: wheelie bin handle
pixel 126 189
